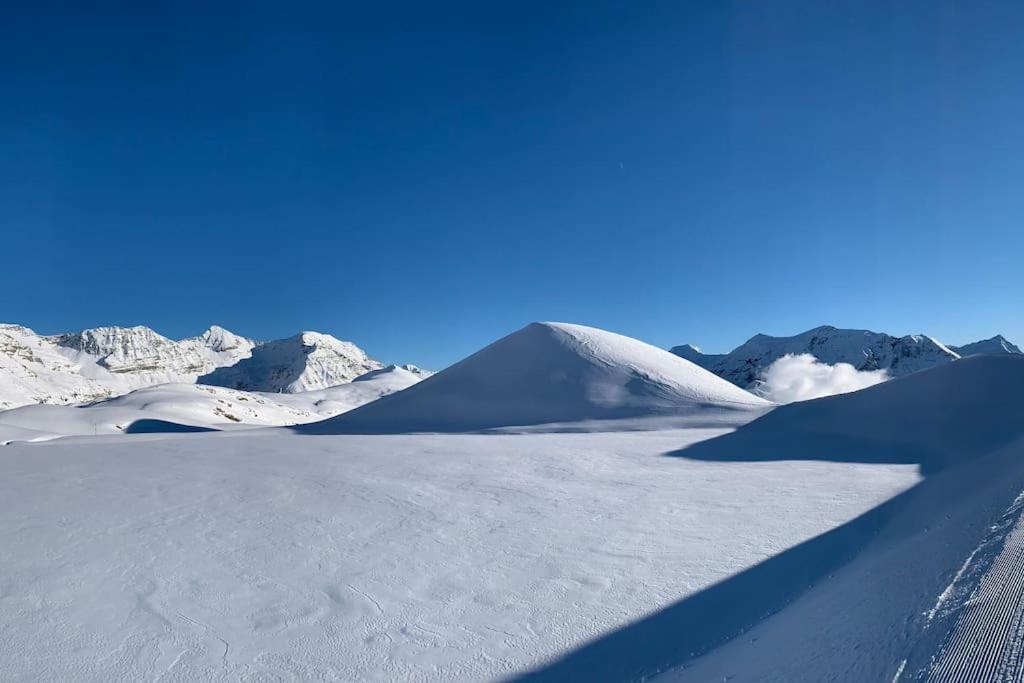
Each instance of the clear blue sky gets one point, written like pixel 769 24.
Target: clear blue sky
pixel 422 178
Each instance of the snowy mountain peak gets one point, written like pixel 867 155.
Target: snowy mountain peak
pixel 687 351
pixel 864 349
pixel 547 373
pixel 304 362
pixel 218 339
pixel 103 362
pixel 997 344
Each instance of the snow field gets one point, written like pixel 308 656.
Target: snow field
pixel 230 556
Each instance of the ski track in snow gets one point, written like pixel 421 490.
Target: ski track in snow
pixel 985 610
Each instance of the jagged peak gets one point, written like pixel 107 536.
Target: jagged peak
pixel 220 339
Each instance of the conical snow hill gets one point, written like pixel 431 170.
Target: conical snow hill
pixel 546 373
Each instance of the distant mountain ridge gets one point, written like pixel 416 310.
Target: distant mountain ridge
pixel 997 344
pixel 104 362
pixel 864 349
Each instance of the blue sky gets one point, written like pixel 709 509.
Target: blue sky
pixel 422 180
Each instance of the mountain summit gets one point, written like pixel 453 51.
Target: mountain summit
pixel 997 344
pixel 307 361
pixel 547 373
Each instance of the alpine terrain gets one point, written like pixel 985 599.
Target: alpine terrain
pixel 863 349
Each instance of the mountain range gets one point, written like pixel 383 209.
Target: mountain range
pixel 863 349
pixel 104 362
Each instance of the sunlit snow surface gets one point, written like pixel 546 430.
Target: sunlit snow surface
pixel 269 555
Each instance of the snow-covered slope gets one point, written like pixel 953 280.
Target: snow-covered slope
pixel 33 369
pixel 547 373
pixel 149 408
pixel 863 349
pixel 936 418
pixel 169 407
pixel 997 344
pixel 305 362
pixel 926 587
pixel 364 389
pixel 264 555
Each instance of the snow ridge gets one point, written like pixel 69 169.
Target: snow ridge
pixel 997 344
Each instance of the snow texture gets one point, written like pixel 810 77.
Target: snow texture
pixel 273 556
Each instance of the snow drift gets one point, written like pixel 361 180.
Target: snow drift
pixel 191 407
pixel 546 373
pixel 936 417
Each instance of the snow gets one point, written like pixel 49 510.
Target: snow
pixel 360 391
pixel 199 406
pixel 863 349
pixel 140 350
pixel 268 555
pixel 921 569
pixel 306 362
pixel 983 611
pixel 872 535
pixel 104 362
pixel 936 418
pixel 548 373
pixel 997 344
pixel 34 369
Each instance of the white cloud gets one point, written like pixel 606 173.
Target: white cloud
pixel 803 377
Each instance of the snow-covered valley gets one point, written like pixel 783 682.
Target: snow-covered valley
pixel 191 407
pixel 463 557
pixel 565 504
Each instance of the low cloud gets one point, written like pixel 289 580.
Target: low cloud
pixel 803 377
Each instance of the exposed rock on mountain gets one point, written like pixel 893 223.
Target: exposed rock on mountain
pixel 997 344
